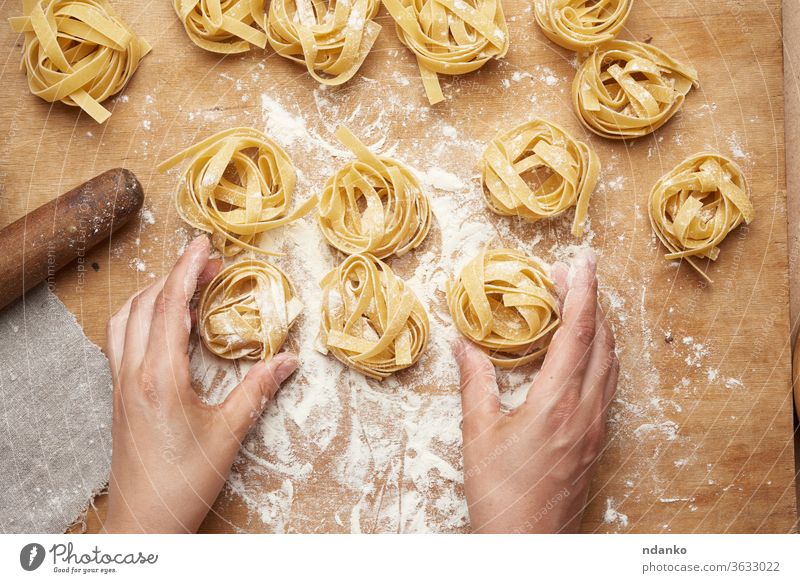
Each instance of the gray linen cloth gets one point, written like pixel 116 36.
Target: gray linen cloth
pixel 55 416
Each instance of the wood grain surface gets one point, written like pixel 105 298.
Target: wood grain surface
pixel 791 76
pixel 719 457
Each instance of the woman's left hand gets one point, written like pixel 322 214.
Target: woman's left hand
pixel 172 452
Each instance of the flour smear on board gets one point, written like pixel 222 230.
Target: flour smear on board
pixel 387 455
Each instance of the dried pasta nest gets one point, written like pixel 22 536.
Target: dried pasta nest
pixel 504 302
pixel 450 37
pixel 238 184
pixel 371 321
pixel 694 206
pixel 373 204
pixel 629 89
pixel 78 52
pixel 224 26
pixel 331 38
pixel 561 173
pixel 246 311
pixel 579 25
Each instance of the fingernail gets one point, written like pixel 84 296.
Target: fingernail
pixel 200 242
pixel 584 264
pixel 286 366
pixel 458 346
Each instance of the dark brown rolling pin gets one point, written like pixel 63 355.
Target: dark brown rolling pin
pixel 47 239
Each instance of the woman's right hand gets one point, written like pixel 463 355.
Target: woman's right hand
pixel 529 471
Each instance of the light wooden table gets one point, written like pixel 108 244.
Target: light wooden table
pixel 791 70
pixel 730 466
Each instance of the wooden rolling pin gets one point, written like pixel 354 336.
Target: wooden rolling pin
pixel 47 239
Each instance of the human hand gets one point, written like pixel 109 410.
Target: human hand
pixel 529 471
pixel 171 452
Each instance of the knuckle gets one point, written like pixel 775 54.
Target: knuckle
pixel 475 429
pixel 135 304
pixel 147 385
pixel 595 435
pixel 166 303
pixel 582 332
pixel 562 410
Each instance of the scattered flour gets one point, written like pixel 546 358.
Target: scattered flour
pixel 613 516
pixel 138 265
pixel 328 427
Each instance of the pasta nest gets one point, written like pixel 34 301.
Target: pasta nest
pixel 371 321
pixel 78 52
pixel 629 89
pixel 450 37
pixel 694 206
pixel 563 173
pixel 247 310
pixel 331 38
pixel 578 25
pixel 238 184
pixel 224 26
pixel 373 205
pixel 504 302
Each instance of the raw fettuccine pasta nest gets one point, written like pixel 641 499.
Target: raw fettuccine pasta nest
pixel 695 206
pixel 238 184
pixel 561 173
pixel 579 25
pixel 371 321
pixel 332 38
pixel 450 37
pixel 78 52
pixel 224 26
pixel 504 302
pixel 246 311
pixel 629 89
pixel 373 204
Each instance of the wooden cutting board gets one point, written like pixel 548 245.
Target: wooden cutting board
pixel 700 438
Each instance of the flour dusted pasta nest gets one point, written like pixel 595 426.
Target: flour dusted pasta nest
pixel 238 184
pixel 371 320
pixel 504 302
pixel 694 206
pixel 331 38
pixel 629 89
pixel 246 311
pixel 450 37
pixel 224 26
pixel 373 204
pixel 579 25
pixel 537 170
pixel 78 52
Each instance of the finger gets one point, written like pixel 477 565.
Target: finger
pixel 171 324
pixel 247 401
pixel 599 367
pixel 115 337
pixel 137 330
pixel 571 347
pixel 611 383
pixel 211 270
pixel 559 273
pixel 480 397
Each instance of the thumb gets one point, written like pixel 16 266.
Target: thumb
pixel 247 401
pixel 480 397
